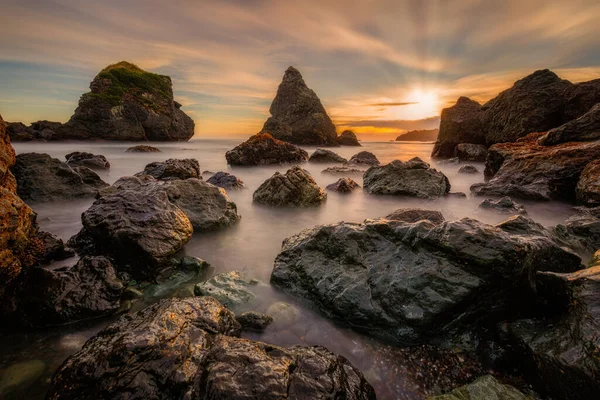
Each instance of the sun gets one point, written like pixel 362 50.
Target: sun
pixel 426 103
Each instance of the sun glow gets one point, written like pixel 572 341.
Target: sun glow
pixel 426 104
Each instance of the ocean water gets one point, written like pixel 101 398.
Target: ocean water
pixel 250 247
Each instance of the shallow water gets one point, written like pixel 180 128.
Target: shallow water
pixel 251 246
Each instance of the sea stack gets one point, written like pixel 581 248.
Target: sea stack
pixel 297 115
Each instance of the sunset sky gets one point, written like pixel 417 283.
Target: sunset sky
pixel 379 67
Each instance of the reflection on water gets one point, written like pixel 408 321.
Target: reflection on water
pixel 251 246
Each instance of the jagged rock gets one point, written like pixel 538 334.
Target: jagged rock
pixel 19 132
pixel 484 388
pixel 422 135
pixel 296 188
pixel 326 156
pixel 468 169
pixel 232 289
pixel 461 123
pixel 53 248
pixel 226 181
pixel 348 138
pixel 363 158
pixel 253 321
pixel 128 103
pixel 187 348
pixel 40 130
pixel 580 232
pixel 83 159
pixel 142 148
pixel 525 169
pixel 343 185
pixel 410 178
pixel 580 98
pixel 588 186
pixel 42 178
pixel 416 215
pixel 297 115
pixel 343 171
pixel 504 205
pixel 264 149
pixel 415 282
pixel 470 152
pixel 583 129
pixel 44 297
pixel 173 169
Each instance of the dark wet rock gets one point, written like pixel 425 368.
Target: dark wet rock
pixel 449 161
pixel 411 178
pixel 592 211
pixel 363 158
pixel 415 282
pixel 504 205
pixel 188 349
pixel 416 215
pixel 326 156
pixel 83 159
pixel 297 115
pixel 460 195
pixel 343 185
pixel 226 181
pixel 296 188
pixel 142 148
pixel 580 98
pixel 581 232
pixel 470 152
pixel 461 123
pixel 558 352
pixel 232 289
pixel 527 170
pixel 53 248
pixel 128 103
pixel 42 178
pixel 588 186
pixel 40 130
pixel 468 169
pixel 89 289
pixel 191 263
pixel 253 321
pixel 485 388
pixel 422 135
pixel 348 138
pixel 19 132
pixel 90 177
pixel 134 223
pixel 264 149
pixel 343 171
pixel 173 169
pixel 583 129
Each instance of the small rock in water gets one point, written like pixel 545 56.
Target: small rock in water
pixel 363 158
pixel 296 188
pixel 142 149
pixel 348 138
pixel 191 263
pixel 504 205
pixel 83 159
pixel 173 169
pixel 343 171
pixel 230 288
pixel 326 156
pixel 459 195
pixel 284 314
pixel 226 181
pixel 20 374
pixel 253 321
pixel 450 161
pixel 468 169
pixel 343 185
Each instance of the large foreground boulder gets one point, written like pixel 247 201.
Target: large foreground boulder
pixel 348 138
pixel 84 159
pixel 411 178
pixel 189 348
pixel 42 178
pixel 461 123
pixel 296 188
pixel 297 115
pixel 128 103
pixel 415 282
pixel 173 169
pixel 264 149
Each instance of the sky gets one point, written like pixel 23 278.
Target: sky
pixel 379 67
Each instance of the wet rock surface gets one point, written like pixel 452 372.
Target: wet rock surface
pixel 416 215
pixel 484 388
pixel 142 148
pixel 365 158
pixel 297 115
pixel 587 191
pixel 173 169
pixel 348 138
pixel 231 289
pixel 226 181
pixel 41 178
pixel 468 169
pixel 343 171
pixel 343 185
pixel 461 123
pixel 504 205
pixel 253 321
pixel 470 152
pixel 411 178
pixel 296 188
pixel 326 156
pixel 264 149
pixel 583 129
pixel 84 159
pixel 188 348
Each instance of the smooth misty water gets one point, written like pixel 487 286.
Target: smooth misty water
pixel 250 247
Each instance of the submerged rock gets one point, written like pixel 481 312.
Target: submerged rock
pixel 343 171
pixel 296 188
pixel 343 185
pixel 363 158
pixel 231 289
pixel 53 248
pixel 325 156
pixel 142 148
pixel 297 115
pixel 470 152
pixel 253 321
pixel 348 138
pixel 284 314
pixel 42 178
pixel 504 205
pixel 188 349
pixel 485 388
pixel 173 169
pixel 264 149
pixel 226 181
pixel 83 159
pixel 468 169
pixel 461 123
pixel 411 178
pixel 588 187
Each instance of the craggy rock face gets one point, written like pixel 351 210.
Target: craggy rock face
pixel 326 156
pixel 297 115
pixel 226 181
pixel 588 187
pixel 413 282
pixel 527 170
pixel 173 169
pixel 83 159
pixel 470 152
pixel 343 185
pixel 128 103
pixel 42 178
pixel 412 178
pixel 348 138
pixel 296 188
pixel 189 348
pixel 263 149
pixel 583 129
pixel 461 123
pixel 416 215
